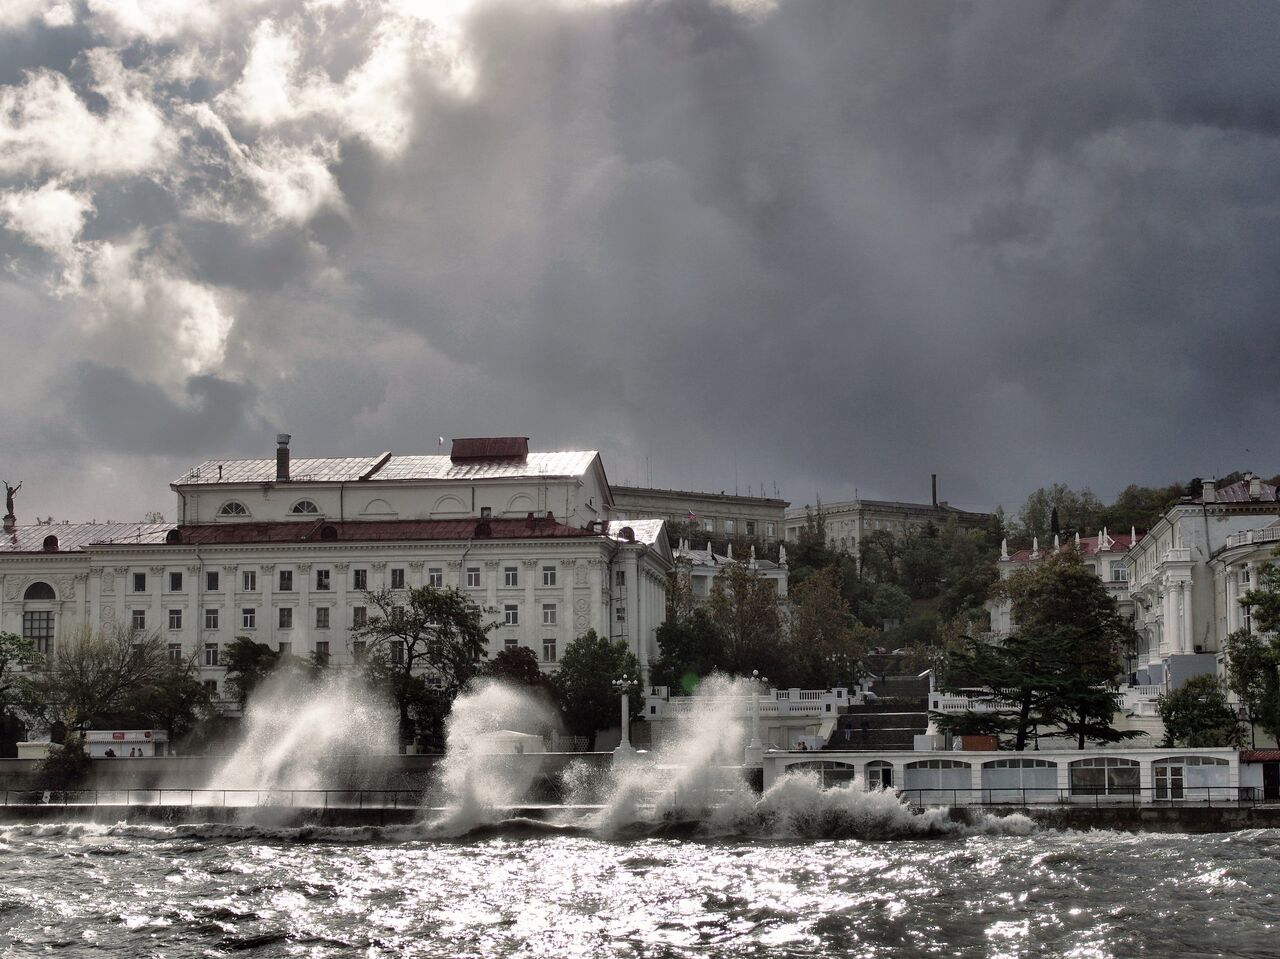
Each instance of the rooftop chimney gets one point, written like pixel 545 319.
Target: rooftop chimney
pixel 933 478
pixel 1209 491
pixel 282 457
pixel 1255 486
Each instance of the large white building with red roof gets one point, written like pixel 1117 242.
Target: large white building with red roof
pixel 284 550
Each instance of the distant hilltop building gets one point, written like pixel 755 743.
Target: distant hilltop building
pixel 722 516
pixel 282 550
pixel 702 566
pixel 848 522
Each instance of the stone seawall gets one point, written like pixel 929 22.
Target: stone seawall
pixel 1188 819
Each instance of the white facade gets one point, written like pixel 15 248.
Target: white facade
pixel 1188 573
pixel 848 522
pixel 295 580
pixel 702 566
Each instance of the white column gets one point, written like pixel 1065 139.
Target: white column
pixel 268 618
pixel 1188 621
pixel 191 629
pixel 598 622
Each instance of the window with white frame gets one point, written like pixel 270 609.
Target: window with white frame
pixel 211 617
pixel 620 614
pixel 286 617
pixel 175 652
pixel 1119 572
pixel 510 576
pixel 511 615
pixel 248 618
pixel 770 530
pixel 175 619
pixel 397 577
pixel 548 650
pixel 322 652
pixel 305 506
pixel 435 577
pixel 139 582
pixel 359 616
pixel 548 614
pixel 322 617
pixel 473 576
pixel 728 527
pixel 548 576
pixel 211 654
pixel 359 579
pixel 139 619
pixel 322 579
pixel 175 582
pixel 620 577
pixel 233 508
pixel 37 629
pixel 286 581
pixel 510 642
pixel 211 582
pixel 249 581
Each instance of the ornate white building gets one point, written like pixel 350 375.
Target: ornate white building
pixel 702 566
pixel 1188 573
pixel 283 552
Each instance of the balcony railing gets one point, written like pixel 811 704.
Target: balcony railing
pixel 1251 536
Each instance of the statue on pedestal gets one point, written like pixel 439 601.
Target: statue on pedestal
pixel 9 492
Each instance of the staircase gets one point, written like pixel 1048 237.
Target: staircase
pixel 900 712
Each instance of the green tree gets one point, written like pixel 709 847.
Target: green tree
pixel 176 702
pixel 887 603
pixel 422 632
pixel 744 608
pixel 248 664
pixel 810 549
pixel 1263 600
pixel 878 556
pixel 17 658
pixel 689 649
pixel 517 665
pixel 1252 663
pixel 584 683
pixel 825 644
pixel 922 560
pixel 1059 666
pixel 1198 714
pixel 1078 511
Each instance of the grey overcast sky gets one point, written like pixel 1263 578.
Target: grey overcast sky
pixel 827 245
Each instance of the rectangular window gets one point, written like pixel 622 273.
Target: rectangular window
pixel 322 617
pixel 548 614
pixel 286 648
pixel 322 653
pixel 728 527
pixel 211 654
pixel 139 619
pixel 249 581
pixel 548 576
pixel 473 576
pixel 211 617
pixel 175 652
pixel 211 584
pixel 322 579
pixel 175 582
pixel 37 627
pixel 248 618
pixel 360 616
pixel 620 614
pixel 175 619
pixel 1119 573
pixel 510 576
pixel 139 582
pixel 511 615
pixel 486 512
pixel 360 579
pixel 397 652
pixel 709 525
pixel 211 686
pixel 397 578
pixel 359 650
pixel 751 528
pixel 548 650
pixel 770 530
pixel 620 577
pixel 286 581
pixel 510 642
pixel 435 578
pixel 286 617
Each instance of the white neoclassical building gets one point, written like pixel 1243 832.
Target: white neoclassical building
pixel 702 566
pixel 1187 575
pixel 284 551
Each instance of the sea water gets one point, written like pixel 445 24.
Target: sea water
pixel 679 859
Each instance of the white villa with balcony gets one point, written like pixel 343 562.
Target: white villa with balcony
pixel 1187 575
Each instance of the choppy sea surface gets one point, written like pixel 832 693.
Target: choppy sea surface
pixel 129 890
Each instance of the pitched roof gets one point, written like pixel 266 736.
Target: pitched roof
pixel 1260 755
pixel 1088 547
pixel 371 531
pixel 1239 493
pixel 390 467
pixel 74 537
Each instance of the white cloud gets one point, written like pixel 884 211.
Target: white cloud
pixel 50 217
pixel 157 21
pixel 45 125
pixel 295 181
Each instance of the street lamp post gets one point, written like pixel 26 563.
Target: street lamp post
pixel 625 749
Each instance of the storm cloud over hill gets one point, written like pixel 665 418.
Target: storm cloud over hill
pixel 818 244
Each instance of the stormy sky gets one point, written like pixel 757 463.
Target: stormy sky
pixel 831 246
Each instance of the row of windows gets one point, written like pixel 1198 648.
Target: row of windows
pixel 236 508
pixel 359 650
pixel 360 579
pixel 359 617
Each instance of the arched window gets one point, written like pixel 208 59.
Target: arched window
pixel 879 774
pixel 1104 776
pixel 305 506
pixel 233 508
pixel 829 772
pixel 39 591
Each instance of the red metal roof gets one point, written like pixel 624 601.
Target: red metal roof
pixel 367 531
pixel 489 448
pixel 1260 755
pixel 1088 547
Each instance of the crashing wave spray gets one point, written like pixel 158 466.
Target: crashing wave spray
pixel 477 777
pixel 302 734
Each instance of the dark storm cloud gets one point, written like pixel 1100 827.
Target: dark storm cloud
pixel 127 416
pixel 834 245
